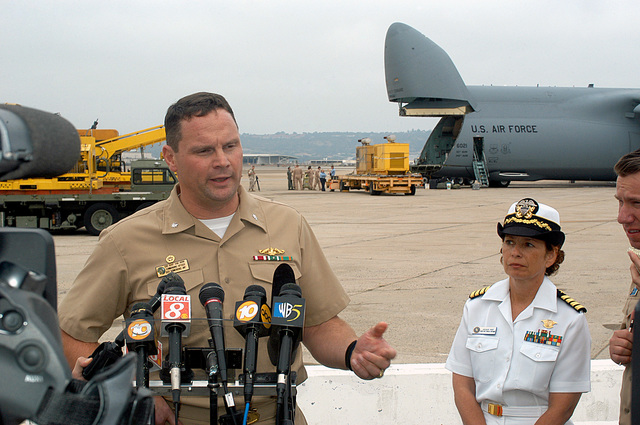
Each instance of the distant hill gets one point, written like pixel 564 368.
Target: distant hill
pixel 321 145
pixel 318 145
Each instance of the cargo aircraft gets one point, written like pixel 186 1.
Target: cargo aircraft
pixel 496 135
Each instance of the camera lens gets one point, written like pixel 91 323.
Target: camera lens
pixel 12 321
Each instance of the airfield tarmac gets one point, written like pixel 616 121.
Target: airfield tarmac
pixel 413 260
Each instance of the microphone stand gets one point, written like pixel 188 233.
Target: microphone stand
pixel 212 384
pixel 283 386
pixel 142 370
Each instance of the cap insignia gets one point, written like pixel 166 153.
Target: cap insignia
pixel 526 208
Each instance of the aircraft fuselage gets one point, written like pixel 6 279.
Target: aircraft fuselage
pixel 532 133
pixel 508 133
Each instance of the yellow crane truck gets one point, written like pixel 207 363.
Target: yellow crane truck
pixel 380 168
pixel 97 192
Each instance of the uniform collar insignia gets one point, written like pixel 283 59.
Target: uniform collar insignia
pixel 548 323
pixel 271 251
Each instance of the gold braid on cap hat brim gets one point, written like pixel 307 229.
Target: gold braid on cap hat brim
pixel 534 221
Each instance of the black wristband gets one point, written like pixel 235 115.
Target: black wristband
pixel 348 353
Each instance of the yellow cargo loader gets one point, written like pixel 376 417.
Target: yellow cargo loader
pixel 380 168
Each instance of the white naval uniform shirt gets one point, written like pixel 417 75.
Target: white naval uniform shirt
pixel 507 369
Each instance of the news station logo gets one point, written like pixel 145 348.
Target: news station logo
pixel 247 311
pixel 284 310
pixel 139 329
pixel 176 307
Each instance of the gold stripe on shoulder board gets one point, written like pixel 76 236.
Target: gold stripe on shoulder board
pixel 479 292
pixel 573 303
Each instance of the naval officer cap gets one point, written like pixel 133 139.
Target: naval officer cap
pixel 530 219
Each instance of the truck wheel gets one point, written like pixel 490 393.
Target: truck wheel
pixel 342 188
pixel 412 190
pixel 98 217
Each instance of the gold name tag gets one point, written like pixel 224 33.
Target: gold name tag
pixel 176 267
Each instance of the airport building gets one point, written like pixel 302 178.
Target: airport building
pixel 268 159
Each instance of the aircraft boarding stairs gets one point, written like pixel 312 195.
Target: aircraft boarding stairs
pixel 480 169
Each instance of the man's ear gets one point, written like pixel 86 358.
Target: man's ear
pixel 169 157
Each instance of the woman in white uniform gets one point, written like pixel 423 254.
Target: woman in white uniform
pixel 522 352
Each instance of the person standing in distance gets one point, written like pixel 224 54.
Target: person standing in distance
pixel 214 229
pixel 252 178
pixel 297 177
pixel 621 342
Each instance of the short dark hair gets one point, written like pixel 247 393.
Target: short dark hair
pixel 552 269
pixel 628 164
pixel 193 105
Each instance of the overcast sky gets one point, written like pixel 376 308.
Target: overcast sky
pixel 293 65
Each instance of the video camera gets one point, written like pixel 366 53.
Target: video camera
pixel 37 382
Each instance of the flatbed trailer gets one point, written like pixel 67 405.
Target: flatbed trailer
pixel 51 206
pixel 377 184
pixel 72 211
pixel 380 168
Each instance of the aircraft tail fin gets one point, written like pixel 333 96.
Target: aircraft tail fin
pixel 420 75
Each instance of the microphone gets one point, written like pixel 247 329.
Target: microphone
pixel 251 320
pixel 287 321
pixel 108 352
pixel 176 322
pixel 282 275
pixel 140 339
pixel 35 143
pixel 211 297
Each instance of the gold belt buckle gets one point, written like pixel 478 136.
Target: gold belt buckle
pixel 253 416
pixel 494 409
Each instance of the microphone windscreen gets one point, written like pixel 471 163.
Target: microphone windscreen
pixel 255 291
pixel 172 280
pixel 53 142
pixel 211 290
pixel 141 308
pixel 283 274
pixel 291 289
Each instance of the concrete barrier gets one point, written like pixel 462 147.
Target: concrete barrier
pixel 422 394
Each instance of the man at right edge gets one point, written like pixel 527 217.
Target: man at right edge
pixel 621 343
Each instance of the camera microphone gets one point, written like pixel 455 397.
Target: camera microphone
pixel 35 143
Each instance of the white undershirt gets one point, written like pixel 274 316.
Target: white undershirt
pixel 218 225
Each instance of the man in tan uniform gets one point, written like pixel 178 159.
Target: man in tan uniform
pixel 297 177
pixel 212 230
pixel 315 185
pixel 621 343
pixel 252 178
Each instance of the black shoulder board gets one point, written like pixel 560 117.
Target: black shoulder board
pixel 573 303
pixel 479 292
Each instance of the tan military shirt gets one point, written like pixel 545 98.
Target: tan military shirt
pixel 625 391
pixel 123 269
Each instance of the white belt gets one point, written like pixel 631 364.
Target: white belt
pixel 519 411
